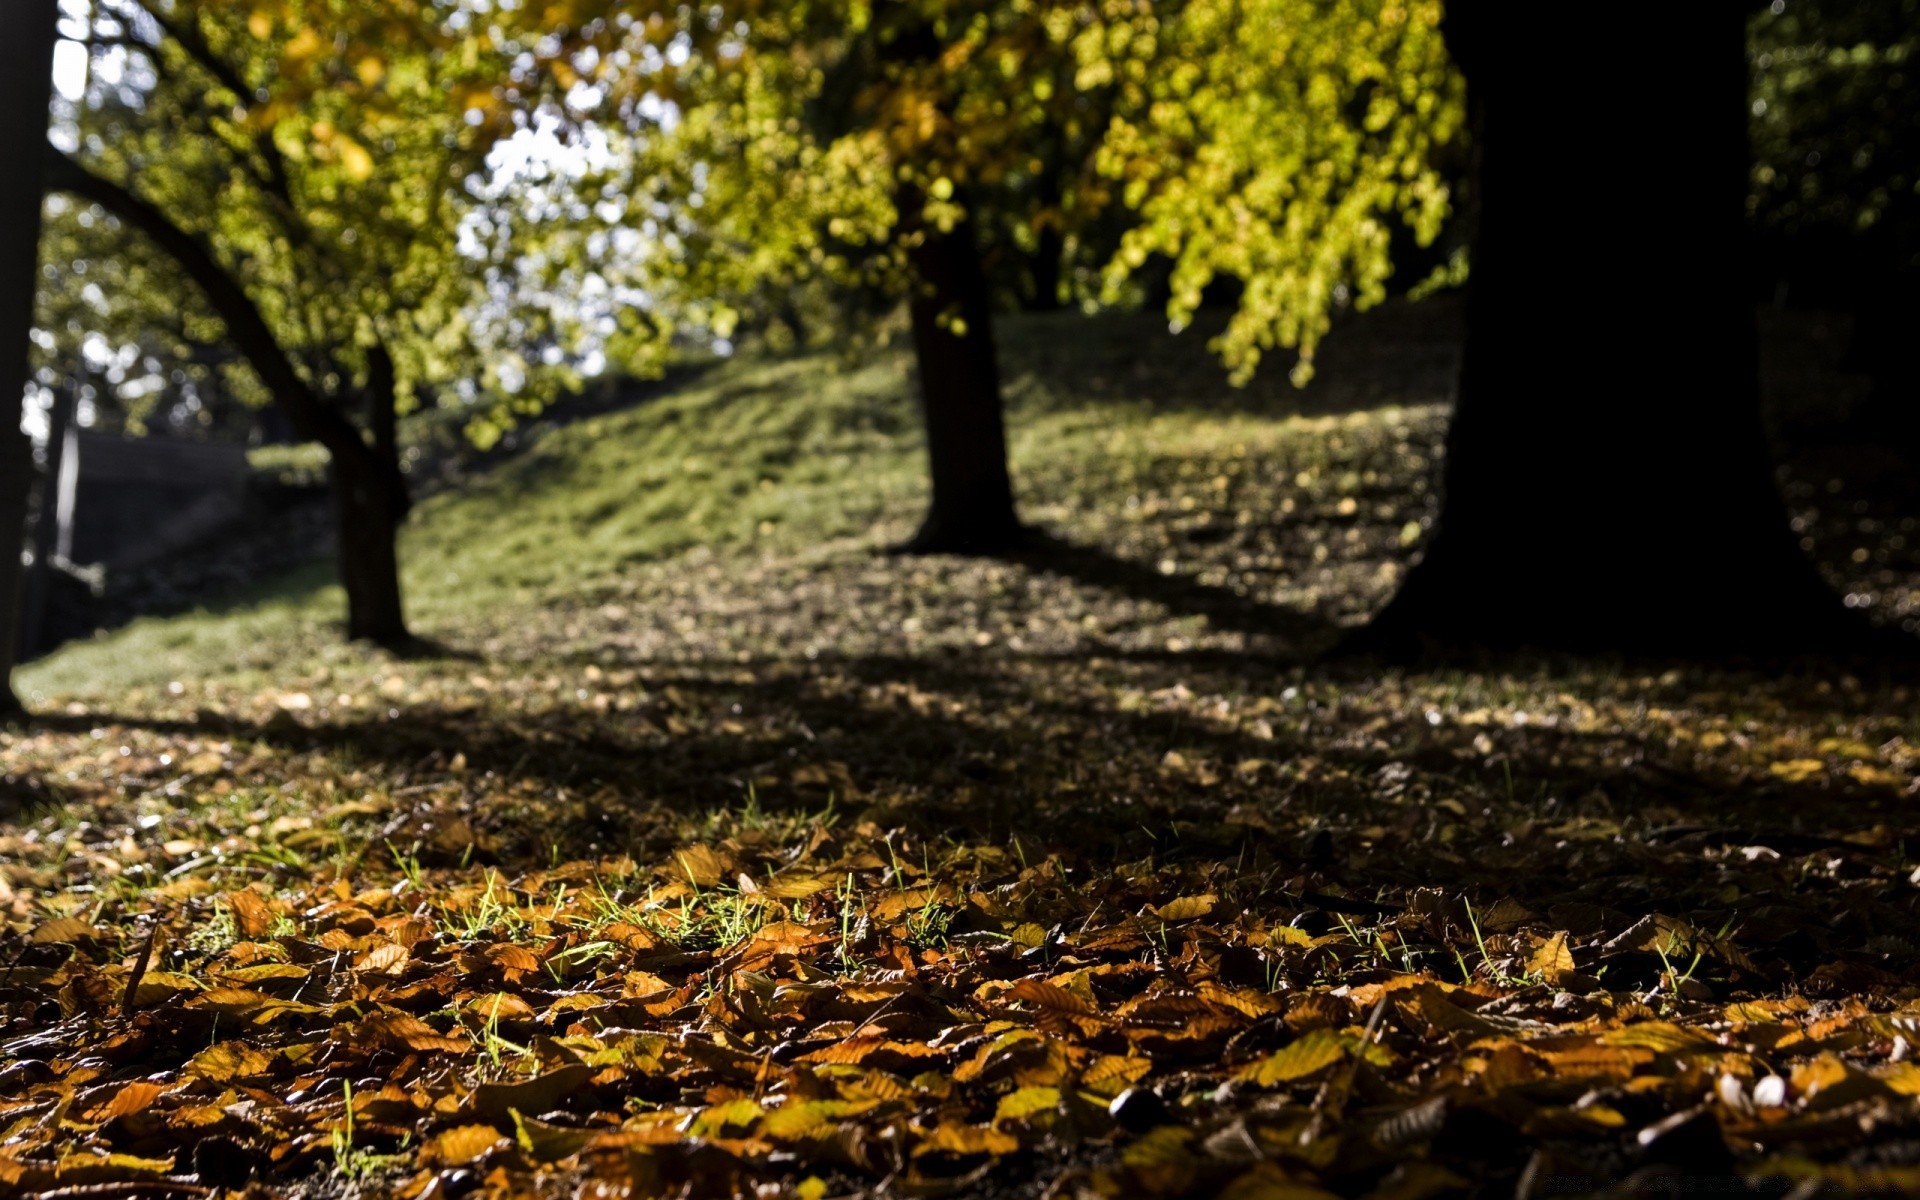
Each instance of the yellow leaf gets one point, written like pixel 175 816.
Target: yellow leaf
pixel 64 931
pixel 1050 996
pixel 229 1061
pixel 354 159
pixel 732 1113
pixel 951 1138
pixel 1797 770
pixel 548 1143
pixel 699 865
pixel 461 1145
pixel 1187 908
pixel 1662 1037
pixel 1024 1103
pixel 133 1097
pixel 1903 1078
pixel 1312 1052
pixel 1552 960
pixel 252 916
pixel 1112 1074
pixel 1028 936
pixel 500 1006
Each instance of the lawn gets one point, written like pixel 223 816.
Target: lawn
pixel 711 851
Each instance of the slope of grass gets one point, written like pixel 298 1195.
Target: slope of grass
pixel 1113 424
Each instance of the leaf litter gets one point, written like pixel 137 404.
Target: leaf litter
pixel 1291 975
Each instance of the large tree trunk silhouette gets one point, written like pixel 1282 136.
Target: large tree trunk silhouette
pixel 370 493
pixel 1608 484
pixel 27 36
pixel 972 510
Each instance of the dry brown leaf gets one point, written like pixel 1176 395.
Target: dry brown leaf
pixel 1051 997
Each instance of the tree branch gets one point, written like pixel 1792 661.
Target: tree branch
pixel 312 416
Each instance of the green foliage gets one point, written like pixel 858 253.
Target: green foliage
pixel 1274 143
pixel 1836 119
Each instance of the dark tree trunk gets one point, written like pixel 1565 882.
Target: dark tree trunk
pixel 369 521
pixel 972 510
pixel 371 499
pixel 1608 485
pixel 27 36
pixel 1049 255
pixel 1046 268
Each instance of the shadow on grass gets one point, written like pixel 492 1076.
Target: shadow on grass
pixel 1300 634
pixel 1121 761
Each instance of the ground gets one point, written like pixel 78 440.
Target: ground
pixel 706 850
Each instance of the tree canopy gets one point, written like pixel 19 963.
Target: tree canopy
pixel 322 156
pixel 1275 143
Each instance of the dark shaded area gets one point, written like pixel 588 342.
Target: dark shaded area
pixel 1224 608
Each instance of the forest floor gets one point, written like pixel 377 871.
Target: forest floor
pixel 707 851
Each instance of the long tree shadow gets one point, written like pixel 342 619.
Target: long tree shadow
pixel 1284 632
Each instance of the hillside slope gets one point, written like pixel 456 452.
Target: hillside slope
pixel 1127 443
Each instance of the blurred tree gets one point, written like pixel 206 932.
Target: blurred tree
pixel 310 166
pixel 918 149
pixel 1836 183
pixel 26 66
pixel 139 368
pixel 1279 144
pixel 1608 486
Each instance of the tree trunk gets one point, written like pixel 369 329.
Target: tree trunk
pixel 370 494
pixel 369 520
pixel 1608 484
pixel 27 36
pixel 972 510
pixel 1047 270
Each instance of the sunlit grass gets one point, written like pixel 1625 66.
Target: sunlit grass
pixel 792 459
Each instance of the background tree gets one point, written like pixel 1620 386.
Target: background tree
pixel 917 150
pixel 1279 144
pixel 309 166
pixel 26 67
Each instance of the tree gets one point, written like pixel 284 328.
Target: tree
pixel 26 67
pixel 309 166
pixel 1608 485
pixel 908 149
